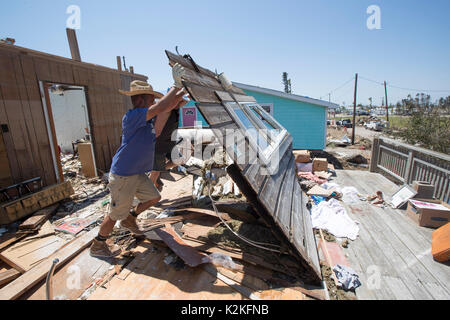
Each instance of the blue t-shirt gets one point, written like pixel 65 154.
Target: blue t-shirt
pixel 136 154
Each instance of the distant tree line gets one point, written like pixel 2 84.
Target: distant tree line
pixel 428 124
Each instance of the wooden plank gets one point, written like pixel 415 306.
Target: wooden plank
pixel 8 276
pixel 73 44
pixel 10 238
pixel 32 277
pixel 13 109
pixel 200 93
pixel 298 235
pixel 38 218
pixel 214 113
pixel 226 97
pixel 25 256
pixel 239 288
pixel 283 212
pixel 271 189
pixel 189 255
pixel 28 124
pixel 48 174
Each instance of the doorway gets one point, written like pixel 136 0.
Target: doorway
pixel 67 116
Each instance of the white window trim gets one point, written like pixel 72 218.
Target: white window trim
pixel 268 105
pixel 266 154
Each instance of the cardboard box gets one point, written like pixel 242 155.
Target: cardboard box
pixel 302 156
pixel 425 190
pixel 320 164
pixel 428 213
pixel 440 245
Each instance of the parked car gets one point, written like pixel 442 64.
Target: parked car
pixel 347 123
pixel 373 125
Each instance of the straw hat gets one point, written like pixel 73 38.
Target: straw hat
pixel 140 87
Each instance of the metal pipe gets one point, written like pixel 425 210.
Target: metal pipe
pixel 49 281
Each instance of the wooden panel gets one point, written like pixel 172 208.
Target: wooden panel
pixel 24 256
pixel 48 174
pixel 16 288
pixel 214 113
pixel 225 96
pixel 9 143
pixel 283 212
pixel 5 172
pixel 27 123
pixel 200 93
pixel 15 116
pixel 272 196
pixel 254 177
pixel 297 224
pixel 272 187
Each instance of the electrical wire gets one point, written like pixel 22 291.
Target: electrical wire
pixel 340 87
pixel 260 245
pixel 401 88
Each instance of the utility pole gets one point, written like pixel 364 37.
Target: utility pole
pixel 354 110
pixel 387 104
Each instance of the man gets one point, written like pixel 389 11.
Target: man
pixel 127 177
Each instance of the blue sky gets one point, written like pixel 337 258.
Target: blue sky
pixel 321 44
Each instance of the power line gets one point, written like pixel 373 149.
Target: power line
pixel 417 90
pixel 341 86
pixel 402 88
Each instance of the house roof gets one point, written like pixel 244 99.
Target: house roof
pixel 290 96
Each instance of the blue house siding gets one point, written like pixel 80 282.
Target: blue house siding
pixel 304 121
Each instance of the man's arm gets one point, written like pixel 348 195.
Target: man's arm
pixel 166 103
pixel 161 119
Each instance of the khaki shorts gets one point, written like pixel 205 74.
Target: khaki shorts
pixel 124 189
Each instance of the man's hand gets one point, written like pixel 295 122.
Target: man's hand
pixel 177 73
pixel 181 104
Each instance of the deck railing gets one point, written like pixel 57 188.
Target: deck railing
pixel 406 163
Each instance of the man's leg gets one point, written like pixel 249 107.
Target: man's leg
pixel 149 196
pixel 154 176
pixel 106 227
pixel 122 190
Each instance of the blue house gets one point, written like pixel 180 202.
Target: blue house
pixel 303 117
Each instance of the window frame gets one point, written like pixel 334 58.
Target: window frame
pixel 273 142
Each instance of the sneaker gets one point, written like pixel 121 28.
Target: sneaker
pixel 130 224
pixel 102 250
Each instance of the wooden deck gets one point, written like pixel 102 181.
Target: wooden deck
pixel 392 245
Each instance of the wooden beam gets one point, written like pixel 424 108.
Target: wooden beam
pixel 30 278
pixel 73 44
pixel 119 63
pixel 8 276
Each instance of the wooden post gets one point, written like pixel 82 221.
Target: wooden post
pixel 73 44
pixel 131 69
pixel 387 104
pixel 119 63
pixel 354 110
pixel 409 167
pixel 374 156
